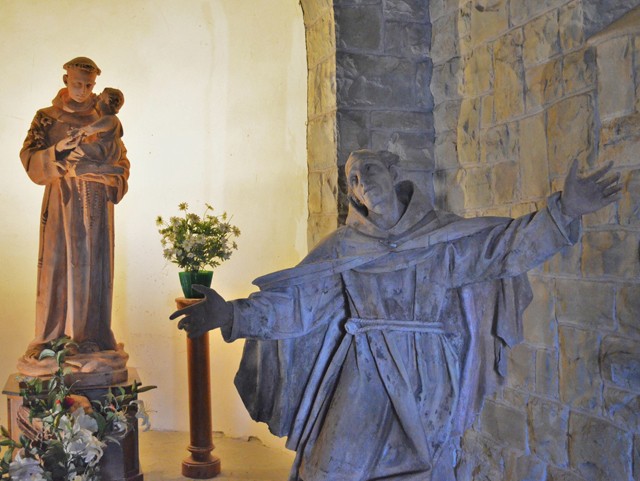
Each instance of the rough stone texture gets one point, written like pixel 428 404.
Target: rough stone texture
pixel 469 132
pixel 611 253
pixel 548 425
pixel 599 14
pixel 534 173
pixel 578 71
pixel 522 367
pixel 567 262
pixel 587 304
pixel 555 474
pixel 615 78
pixel 445 151
pixel 444 39
pixel 547 374
pixel 523 10
pixel 508 75
pixel 636 457
pixel 500 144
pixel 424 98
pixel 570 25
pixel 482 460
pixel 476 186
pixel 411 10
pixel 598 450
pixel 445 83
pixel 504 424
pixel 524 468
pixel 353 126
pixel 321 40
pixel 322 89
pixel 580 383
pixel 321 108
pixel 488 19
pixel 365 81
pixel 629 205
pixel 415 147
pixel 544 84
pixel 541 39
pixel 623 407
pixel 408 38
pixel 321 142
pixel 487 117
pixel 449 190
pixel 478 71
pixel 620 362
pixel 570 124
pixel 628 309
pixel 620 140
pixel 446 115
pixel 504 182
pixel 538 323
pixel 314 9
pixel 364 26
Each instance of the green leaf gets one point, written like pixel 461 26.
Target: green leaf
pixel 146 388
pixel 8 456
pixel 102 422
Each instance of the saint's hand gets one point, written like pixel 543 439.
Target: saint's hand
pixel 68 143
pixel 212 312
pixel 589 193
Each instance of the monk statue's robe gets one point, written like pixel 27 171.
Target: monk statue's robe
pixel 374 353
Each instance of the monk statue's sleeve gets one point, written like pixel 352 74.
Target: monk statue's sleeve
pixel 511 248
pixel 287 312
pixel 39 158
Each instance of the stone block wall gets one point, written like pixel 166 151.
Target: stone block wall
pixel 321 118
pixel 520 89
pixel 383 75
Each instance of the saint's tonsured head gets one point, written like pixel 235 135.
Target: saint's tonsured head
pixel 80 78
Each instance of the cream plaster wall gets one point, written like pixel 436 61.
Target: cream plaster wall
pixel 215 112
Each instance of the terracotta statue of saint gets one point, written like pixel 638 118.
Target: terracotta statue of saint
pixel 75 258
pixel 373 355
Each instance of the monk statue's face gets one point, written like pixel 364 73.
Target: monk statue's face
pixel 79 83
pixel 371 183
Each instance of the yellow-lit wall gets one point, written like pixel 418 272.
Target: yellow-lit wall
pixel 215 112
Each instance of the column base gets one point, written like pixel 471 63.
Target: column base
pixel 204 469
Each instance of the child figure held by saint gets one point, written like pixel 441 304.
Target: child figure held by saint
pixel 99 142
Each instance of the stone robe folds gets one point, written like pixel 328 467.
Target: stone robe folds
pixel 75 259
pixel 373 354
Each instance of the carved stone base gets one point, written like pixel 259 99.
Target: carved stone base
pixel 100 368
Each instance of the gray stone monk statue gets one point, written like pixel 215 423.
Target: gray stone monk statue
pixel 374 353
pixel 75 260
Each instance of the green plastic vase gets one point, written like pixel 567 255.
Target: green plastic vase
pixel 189 278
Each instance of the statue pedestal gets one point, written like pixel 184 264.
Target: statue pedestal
pixel 201 464
pixel 121 460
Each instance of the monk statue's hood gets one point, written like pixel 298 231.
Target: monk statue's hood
pixel 418 211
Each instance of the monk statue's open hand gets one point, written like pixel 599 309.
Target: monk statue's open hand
pixel 212 312
pixel 589 193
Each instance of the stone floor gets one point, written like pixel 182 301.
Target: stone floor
pixel 161 455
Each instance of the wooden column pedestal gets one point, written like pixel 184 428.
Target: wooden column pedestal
pixel 201 464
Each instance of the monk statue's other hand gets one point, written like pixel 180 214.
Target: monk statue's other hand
pixel 589 193
pixel 211 313
pixel 68 143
